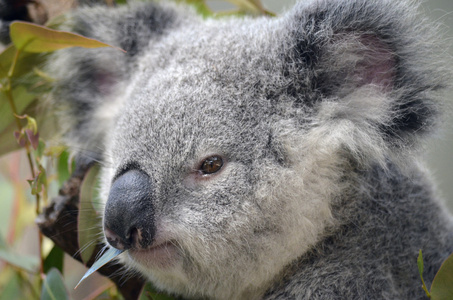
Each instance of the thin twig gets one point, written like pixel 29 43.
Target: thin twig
pixel 9 95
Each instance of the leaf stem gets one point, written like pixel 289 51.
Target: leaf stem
pixel 24 279
pixel 13 65
pixel 425 289
pixel 9 95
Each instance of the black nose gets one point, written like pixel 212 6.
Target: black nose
pixel 129 213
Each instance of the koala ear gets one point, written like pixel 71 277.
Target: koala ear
pixel 355 59
pixel 89 80
pixel 382 48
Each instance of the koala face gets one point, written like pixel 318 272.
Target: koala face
pixel 199 189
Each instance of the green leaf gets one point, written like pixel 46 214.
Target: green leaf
pixel 30 37
pixel 54 259
pixel 88 219
pixel 25 62
pixel 2 242
pixel 39 183
pixel 30 130
pixel 12 289
pixel 150 293
pixel 40 150
pixel 26 262
pixel 420 271
pixel 420 263
pixel 258 4
pixel 55 150
pixel 8 200
pixel 53 287
pixel 64 167
pixel 201 7
pixel 248 6
pixel 254 7
pixel 442 286
pixel 107 256
pixel 261 8
pixel 6 59
pixel 22 99
pixel 31 123
pixel 25 102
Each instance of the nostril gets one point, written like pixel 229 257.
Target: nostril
pixel 115 240
pixel 129 211
pixel 134 236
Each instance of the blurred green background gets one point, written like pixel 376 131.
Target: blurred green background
pixel 440 148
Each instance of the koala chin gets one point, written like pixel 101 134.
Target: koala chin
pixel 263 158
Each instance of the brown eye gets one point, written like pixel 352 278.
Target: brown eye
pixel 211 165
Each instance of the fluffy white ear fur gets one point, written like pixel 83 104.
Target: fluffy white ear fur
pixel 366 60
pixel 378 64
pixel 351 123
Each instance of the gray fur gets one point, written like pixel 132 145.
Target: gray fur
pixel 319 116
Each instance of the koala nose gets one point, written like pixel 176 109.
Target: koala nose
pixel 129 213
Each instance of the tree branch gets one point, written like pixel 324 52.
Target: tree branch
pixel 58 221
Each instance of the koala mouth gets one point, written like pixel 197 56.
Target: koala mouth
pixel 163 255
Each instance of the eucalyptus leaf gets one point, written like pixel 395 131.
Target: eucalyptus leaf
pixel 39 182
pixel 25 262
pixel 254 7
pixel 258 4
pixel 34 38
pixel 21 98
pixel 420 263
pixel 12 288
pixel 63 167
pixel 24 102
pixel 6 58
pixel 248 6
pixel 420 271
pixel 40 150
pixel 54 259
pixel 2 241
pixel 53 287
pixel 201 7
pixel 88 219
pixel 107 256
pixel 150 293
pixel 26 61
pixel 442 286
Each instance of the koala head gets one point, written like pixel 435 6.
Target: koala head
pixel 204 183
pixel 228 142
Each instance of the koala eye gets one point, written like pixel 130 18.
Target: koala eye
pixel 211 165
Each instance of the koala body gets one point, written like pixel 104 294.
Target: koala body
pixel 262 158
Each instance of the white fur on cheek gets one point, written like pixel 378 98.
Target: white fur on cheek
pixel 351 122
pixel 304 191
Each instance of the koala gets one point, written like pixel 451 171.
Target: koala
pixel 262 158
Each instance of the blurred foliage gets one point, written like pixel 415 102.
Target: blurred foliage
pixel 442 285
